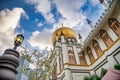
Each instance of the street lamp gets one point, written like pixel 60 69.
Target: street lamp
pixel 18 41
pixel 9 61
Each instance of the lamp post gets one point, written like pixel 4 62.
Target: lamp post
pixel 18 41
pixel 9 61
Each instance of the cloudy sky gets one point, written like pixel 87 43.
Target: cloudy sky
pixel 38 19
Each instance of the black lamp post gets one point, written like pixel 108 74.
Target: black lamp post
pixel 9 61
pixel 18 41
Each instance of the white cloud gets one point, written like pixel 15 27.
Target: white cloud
pixel 39 24
pixel 9 21
pixel 72 17
pixel 70 11
pixel 41 39
pixel 44 7
pixel 94 2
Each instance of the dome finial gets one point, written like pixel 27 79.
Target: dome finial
pixel 62 33
pixel 62 25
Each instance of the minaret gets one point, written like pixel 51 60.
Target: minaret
pixel 62 36
pixel 80 38
pixel 62 25
pixel 56 36
pixel 91 26
pixel 105 2
pixel 68 74
pixel 56 39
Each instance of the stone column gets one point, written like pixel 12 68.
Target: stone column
pixel 87 59
pixel 68 75
pixel 9 61
pixel 94 53
pixel 76 55
pixel 64 50
pixel 58 62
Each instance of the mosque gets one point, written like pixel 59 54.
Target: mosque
pixel 70 60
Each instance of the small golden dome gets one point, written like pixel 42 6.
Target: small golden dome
pixel 67 32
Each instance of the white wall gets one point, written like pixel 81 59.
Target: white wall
pixel 79 76
pixel 117 57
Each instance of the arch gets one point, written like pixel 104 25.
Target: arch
pixel 71 57
pixel 82 58
pixel 97 48
pixel 115 25
pixel 106 38
pixel 111 20
pixel 90 54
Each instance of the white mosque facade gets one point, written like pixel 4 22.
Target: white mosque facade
pixel 70 60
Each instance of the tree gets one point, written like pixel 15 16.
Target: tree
pixel 36 58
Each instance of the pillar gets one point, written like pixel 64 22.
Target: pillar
pixel 76 55
pixel 58 62
pixel 94 53
pixel 65 54
pixel 68 75
pixel 87 59
pixel 64 49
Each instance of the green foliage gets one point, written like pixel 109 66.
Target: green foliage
pixel 32 75
pixel 93 77
pixel 27 57
pixel 103 72
pixel 24 70
pixel 117 66
pixel 86 78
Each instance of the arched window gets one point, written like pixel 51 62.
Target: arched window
pixel 90 54
pixel 82 58
pixel 115 25
pixel 97 48
pixel 106 38
pixel 71 57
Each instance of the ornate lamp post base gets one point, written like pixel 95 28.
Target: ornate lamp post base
pixel 9 61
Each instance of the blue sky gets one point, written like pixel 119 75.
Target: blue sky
pixel 38 19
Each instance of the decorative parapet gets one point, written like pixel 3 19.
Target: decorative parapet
pixel 99 21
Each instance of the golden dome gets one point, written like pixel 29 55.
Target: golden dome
pixel 67 32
